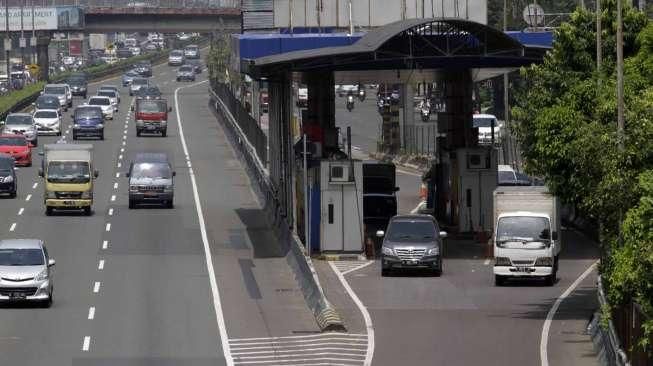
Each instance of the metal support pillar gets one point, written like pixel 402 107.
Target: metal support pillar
pixel 42 43
pixel 456 122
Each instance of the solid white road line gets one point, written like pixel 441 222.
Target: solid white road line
pixel 108 227
pixel 544 339
pixel 100 265
pixel 110 212
pixel 29 197
pixel 20 212
pixel 357 268
pixel 91 313
pixel 486 262
pixel 12 227
pixel 35 185
pixel 86 344
pixel 366 315
pixel 105 244
pixel 96 287
pixel 418 207
pixel 217 304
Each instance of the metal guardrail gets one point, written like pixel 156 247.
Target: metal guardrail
pixel 606 340
pixel 177 4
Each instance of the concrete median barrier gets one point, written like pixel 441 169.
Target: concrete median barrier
pixel 326 316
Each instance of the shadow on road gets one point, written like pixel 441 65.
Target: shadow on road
pixel 263 240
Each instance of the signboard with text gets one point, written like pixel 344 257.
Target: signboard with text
pixel 45 18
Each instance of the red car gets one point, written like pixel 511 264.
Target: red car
pixel 18 147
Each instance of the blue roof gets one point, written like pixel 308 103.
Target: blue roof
pixel 533 39
pixel 255 45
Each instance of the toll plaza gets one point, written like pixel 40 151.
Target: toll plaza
pixel 323 196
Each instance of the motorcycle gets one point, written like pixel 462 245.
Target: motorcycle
pixel 361 94
pixel 350 102
pixel 426 113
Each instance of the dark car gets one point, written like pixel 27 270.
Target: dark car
pixel 151 180
pixel 412 242
pixel 123 53
pixel 88 122
pixel 148 92
pixel 143 68
pixel 8 179
pixel 196 64
pixel 78 85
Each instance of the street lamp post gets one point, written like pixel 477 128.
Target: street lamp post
pixel 7 44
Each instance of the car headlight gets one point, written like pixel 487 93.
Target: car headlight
pixel 50 195
pixel 42 276
pixel 7 179
pixel 502 261
pixel 87 194
pixel 76 125
pixel 169 189
pixel 164 122
pixel 544 262
pixel 387 251
pixel 99 125
pixel 433 251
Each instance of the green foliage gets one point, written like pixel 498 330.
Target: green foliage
pixel 7 102
pixel 218 60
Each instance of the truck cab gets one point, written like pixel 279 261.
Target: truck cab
pixel 526 237
pixel 151 116
pixel 67 170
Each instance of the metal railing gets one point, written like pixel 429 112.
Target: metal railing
pixel 420 139
pixel 176 4
pixel 246 122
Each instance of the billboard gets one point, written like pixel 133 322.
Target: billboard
pixel 45 18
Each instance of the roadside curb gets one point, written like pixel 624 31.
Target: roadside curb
pixel 326 316
pixel 339 257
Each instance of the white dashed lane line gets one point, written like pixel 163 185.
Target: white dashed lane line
pixel 35 185
pixel 12 227
pixel 105 244
pixel 91 313
pixel 110 212
pixel 117 175
pixel 20 212
pixel 119 164
pixel 96 287
pixel 29 197
pixel 100 265
pixel 108 227
pixel 115 185
pixel 86 344
pixel 113 198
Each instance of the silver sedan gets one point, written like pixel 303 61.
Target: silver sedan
pixel 25 271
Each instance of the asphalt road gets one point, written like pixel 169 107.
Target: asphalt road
pixel 136 287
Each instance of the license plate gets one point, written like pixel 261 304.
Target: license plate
pixel 151 194
pixel 18 296
pixel 69 203
pixel 150 127
pixel 409 262
pixel 523 269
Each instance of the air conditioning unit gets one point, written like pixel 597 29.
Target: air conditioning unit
pixel 478 160
pixel 340 172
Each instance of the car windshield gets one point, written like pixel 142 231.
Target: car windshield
pixel 99 101
pixel 75 81
pixel 6 165
pixel 45 114
pixel 107 93
pixel 140 82
pixel 151 170
pixel 88 113
pixel 43 103
pixel 484 122
pixel 176 53
pixel 152 106
pixel 523 228
pixel 411 231
pixel 18 120
pixel 68 172
pixel 186 68
pixel 13 141
pixel 108 88
pixel 131 73
pixel 57 90
pixel 379 206
pixel 21 257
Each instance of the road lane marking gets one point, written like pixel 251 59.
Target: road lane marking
pixel 366 315
pixel 120 157
pixel 124 143
pixel 96 287
pixel 35 185
pixel 117 175
pixel 544 338
pixel 420 206
pixel 29 197
pixel 108 227
pixel 100 265
pixel 119 164
pixel 217 303
pixel 124 137
pixel 12 227
pixel 486 262
pixel 105 244
pixel 111 212
pixel 20 212
pixel 113 197
pixel 86 344
pixel 91 313
pixel 122 149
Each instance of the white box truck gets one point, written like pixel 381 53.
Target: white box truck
pixel 527 238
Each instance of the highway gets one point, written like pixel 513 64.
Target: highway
pixel 182 286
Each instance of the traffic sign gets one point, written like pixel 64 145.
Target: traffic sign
pixel 7 44
pixel 22 42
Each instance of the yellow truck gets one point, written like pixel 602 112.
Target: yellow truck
pixel 67 170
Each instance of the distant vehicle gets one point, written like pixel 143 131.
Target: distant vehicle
pixel 411 242
pixel 21 124
pixel 151 116
pixel 78 85
pixel 527 240
pixel 68 173
pixel 265 102
pixel 123 53
pixel 112 95
pixel 47 101
pixel 8 178
pixel 379 195
pixel 136 84
pixel 484 123
pixel 148 92
pixel 136 51
pixel 26 270
pixel 131 42
pixel 196 64
pixel 151 180
pixel 61 91
pixel 111 88
pixel 109 59
pixel 183 36
pixel 192 51
pixel 151 47
pixel 143 68
pixel 48 121
pixel 507 176
pixel 176 58
pixel 186 73
pixel 302 97
pixel 18 147
pixel 68 60
pixel 128 77
pixel 104 103
pixel 88 122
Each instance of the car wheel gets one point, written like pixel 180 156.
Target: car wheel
pixel 177 79
pixel 385 272
pixel 13 194
pixel 48 303
pixel 551 279
pixel 74 136
pixel 87 211
pixel 138 133
pixel 164 133
pixel 499 280
pixel 132 204
pixel 35 143
pixel 48 211
pixel 59 133
pixel 102 137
